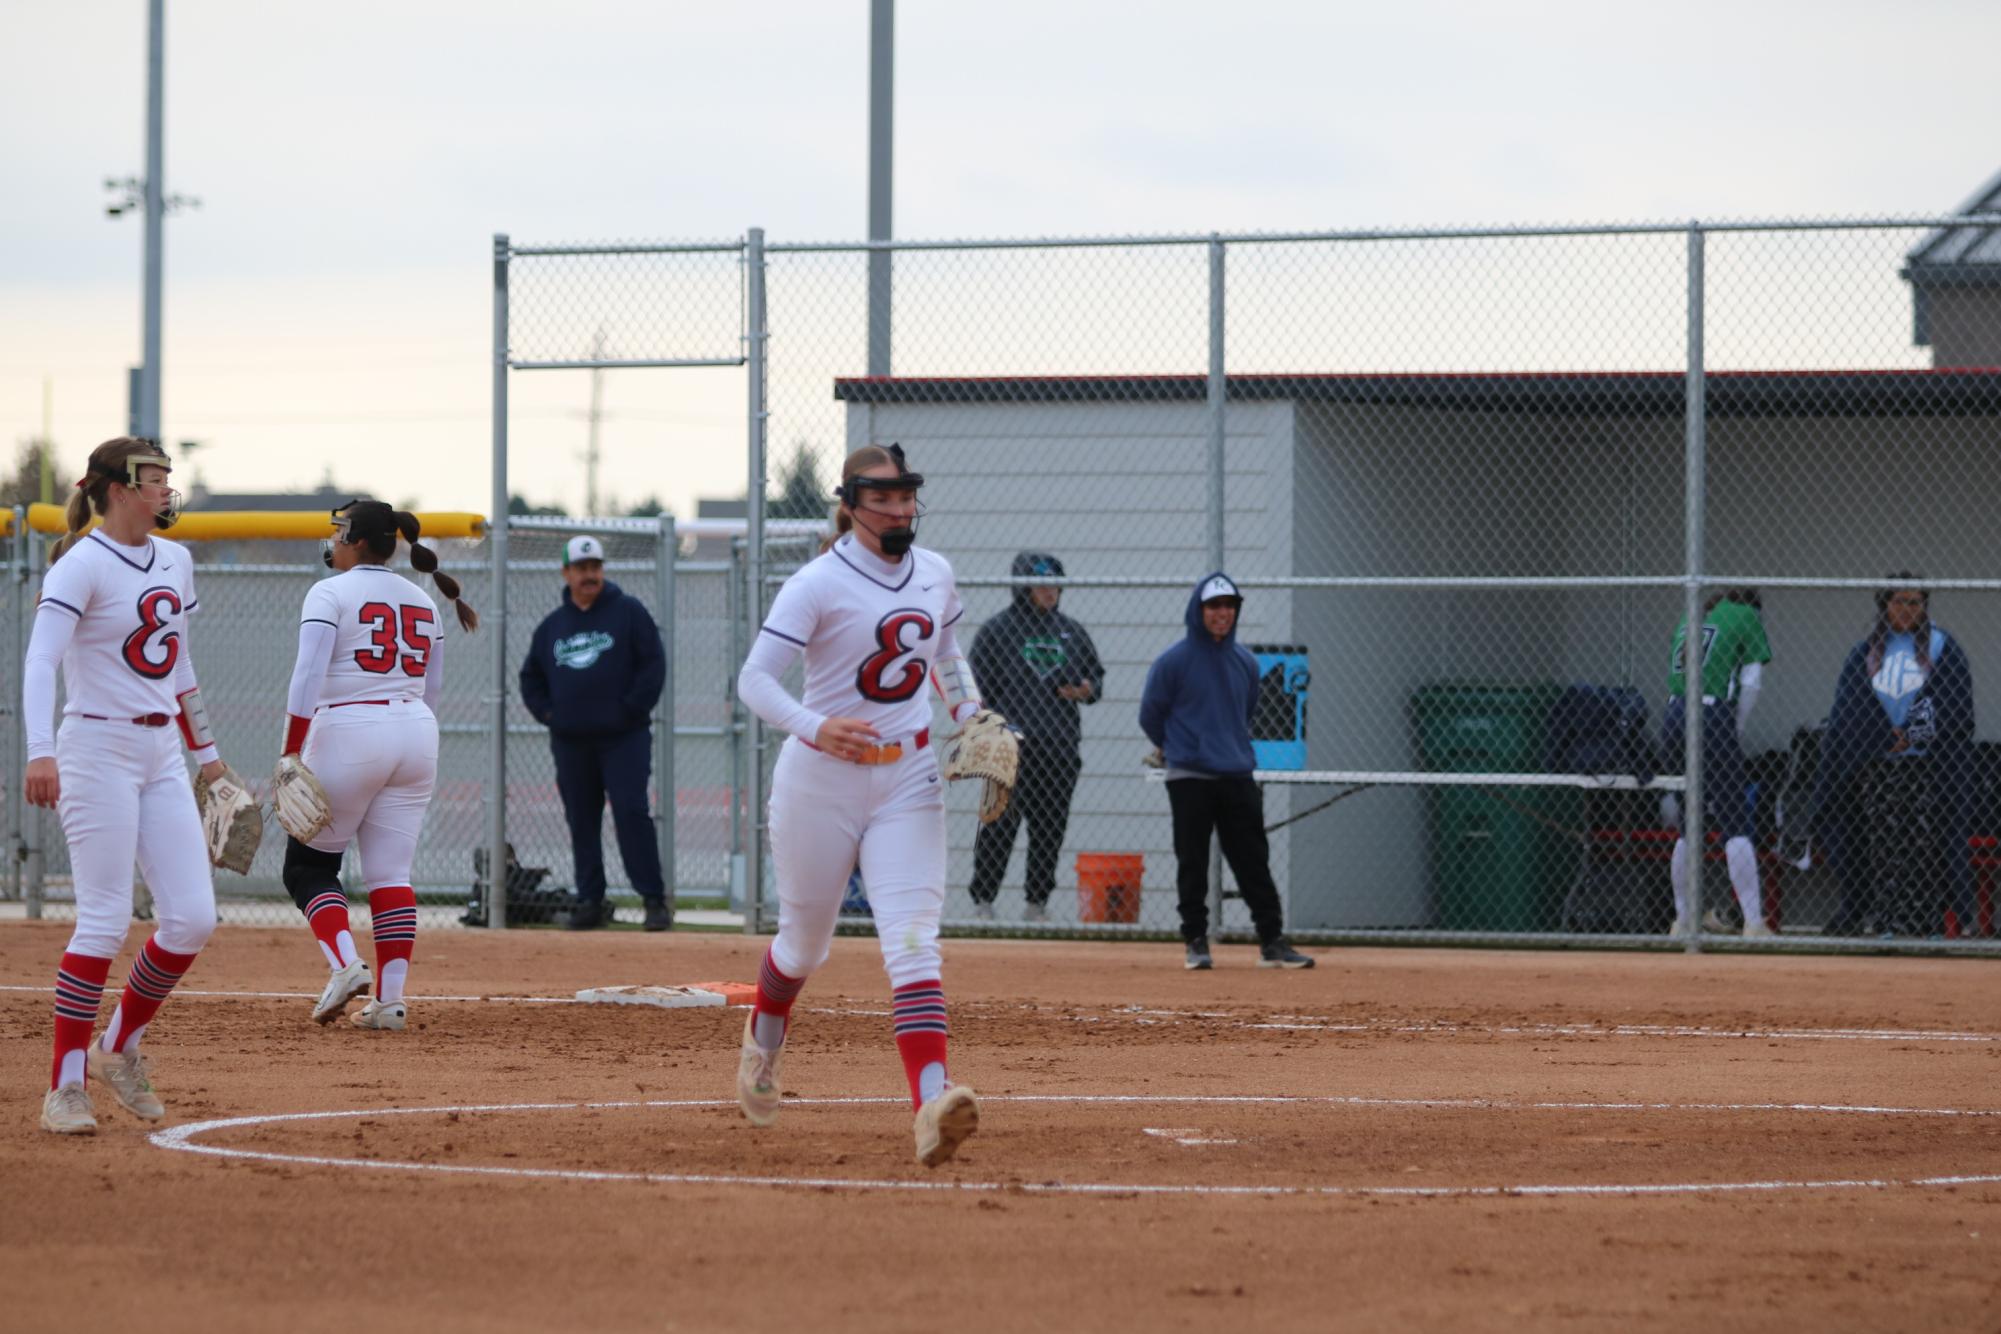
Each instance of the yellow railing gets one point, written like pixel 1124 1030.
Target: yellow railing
pixel 254 525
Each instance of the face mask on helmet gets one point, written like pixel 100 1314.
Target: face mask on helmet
pixel 342 519
pixel 169 513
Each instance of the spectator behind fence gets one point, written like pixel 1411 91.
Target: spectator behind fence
pixel 1036 666
pixel 1734 652
pixel 1197 707
pixel 1891 804
pixel 593 674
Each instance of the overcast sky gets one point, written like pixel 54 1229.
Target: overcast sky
pixel 328 307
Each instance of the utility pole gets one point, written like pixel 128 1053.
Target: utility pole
pixel 596 415
pixel 149 192
pixel 881 176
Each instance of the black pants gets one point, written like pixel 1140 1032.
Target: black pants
pixel 1043 787
pixel 590 769
pixel 1234 808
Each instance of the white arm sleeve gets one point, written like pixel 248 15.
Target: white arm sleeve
pixel 50 638
pixel 434 673
pixel 184 681
pixel 1750 679
pixel 309 670
pixel 757 685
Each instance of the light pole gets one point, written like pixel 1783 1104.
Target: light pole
pixel 149 192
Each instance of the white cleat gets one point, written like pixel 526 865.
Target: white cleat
pixel 130 1082
pixel 946 1122
pixel 757 1086
pixel 67 1111
pixel 345 984
pixel 1758 931
pixel 386 1015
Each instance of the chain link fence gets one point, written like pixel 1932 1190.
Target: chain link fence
pixel 244 643
pixel 1472 482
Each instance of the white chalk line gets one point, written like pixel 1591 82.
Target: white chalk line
pixel 1285 1023
pixel 181 1138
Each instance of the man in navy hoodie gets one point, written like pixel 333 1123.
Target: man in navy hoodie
pixel 593 674
pixel 1197 706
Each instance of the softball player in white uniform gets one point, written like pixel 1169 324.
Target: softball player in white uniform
pixel 113 615
pixel 858 780
pixel 362 722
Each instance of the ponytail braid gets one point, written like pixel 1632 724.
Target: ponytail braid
pixel 425 561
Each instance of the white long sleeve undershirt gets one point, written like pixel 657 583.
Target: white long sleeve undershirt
pixel 46 645
pixel 309 669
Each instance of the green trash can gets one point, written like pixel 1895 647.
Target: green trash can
pixel 1494 866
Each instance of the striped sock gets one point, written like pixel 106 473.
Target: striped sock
pixel 394 912
pixel 147 986
pixel 920 1038
pixel 79 988
pixel 326 914
pixel 775 994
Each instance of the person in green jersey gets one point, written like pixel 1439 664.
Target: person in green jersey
pixel 1734 652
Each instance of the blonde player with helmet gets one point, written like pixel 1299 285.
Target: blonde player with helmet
pixel 873 615
pixel 113 617
pixel 361 751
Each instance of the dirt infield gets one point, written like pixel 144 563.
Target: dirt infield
pixel 1398 1139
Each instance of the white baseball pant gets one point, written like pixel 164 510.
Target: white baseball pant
pixel 378 764
pixel 826 813
pixel 126 797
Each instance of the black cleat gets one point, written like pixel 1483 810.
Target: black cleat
pixel 1198 960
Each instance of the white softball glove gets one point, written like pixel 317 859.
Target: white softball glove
pixel 985 748
pixel 299 800
pixel 229 820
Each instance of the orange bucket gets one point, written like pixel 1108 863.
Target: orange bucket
pixel 1108 886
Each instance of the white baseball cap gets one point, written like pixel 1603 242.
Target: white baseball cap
pixel 582 548
pixel 1218 586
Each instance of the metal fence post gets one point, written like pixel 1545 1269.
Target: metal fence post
pixel 1218 397
pixel 663 736
pixel 34 859
pixel 1691 600
pixel 753 609
pixel 17 754
pixel 496 795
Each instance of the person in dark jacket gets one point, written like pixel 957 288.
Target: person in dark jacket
pixel 593 675
pixel 1197 706
pixel 1036 667
pixel 1893 798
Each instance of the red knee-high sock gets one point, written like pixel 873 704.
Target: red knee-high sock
pixel 79 988
pixel 775 994
pixel 147 986
pixel 327 916
pixel 920 1037
pixel 393 910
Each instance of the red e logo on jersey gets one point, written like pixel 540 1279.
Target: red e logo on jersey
pixel 899 633
pixel 153 649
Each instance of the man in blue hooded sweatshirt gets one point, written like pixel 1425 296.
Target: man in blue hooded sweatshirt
pixel 1197 707
pixel 594 672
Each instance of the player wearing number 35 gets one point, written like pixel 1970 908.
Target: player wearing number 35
pixel 361 751
pixel 114 616
pixel 873 615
